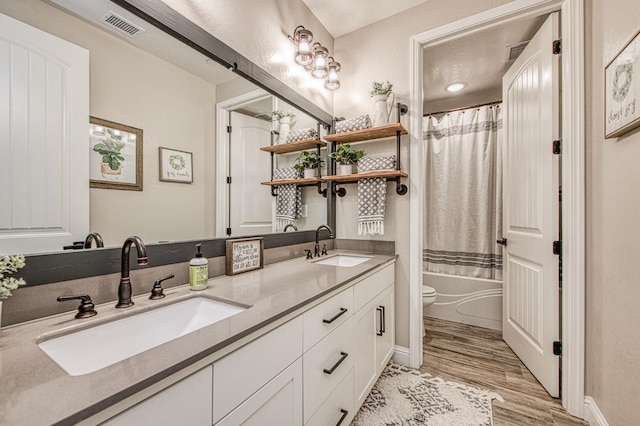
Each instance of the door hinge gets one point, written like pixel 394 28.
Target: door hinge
pixel 557 146
pixel 228 231
pixel 557 348
pixel 557 247
pixel 557 47
pixel 228 129
pixel 229 179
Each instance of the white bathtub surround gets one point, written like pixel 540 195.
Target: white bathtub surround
pixel 463 191
pixel 466 300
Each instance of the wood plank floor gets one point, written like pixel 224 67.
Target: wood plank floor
pixel 479 357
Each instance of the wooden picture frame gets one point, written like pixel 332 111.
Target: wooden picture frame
pixel 622 90
pixel 175 165
pixel 244 255
pixel 115 155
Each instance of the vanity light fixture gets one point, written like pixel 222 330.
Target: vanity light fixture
pixel 455 87
pixel 315 58
pixel 302 38
pixel 320 56
pixel 332 82
pixel 98 130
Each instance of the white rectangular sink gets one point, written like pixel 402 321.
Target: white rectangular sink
pixel 98 347
pixel 343 260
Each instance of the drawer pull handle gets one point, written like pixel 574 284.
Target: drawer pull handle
pixel 342 358
pixel 336 316
pixel 383 326
pixel 344 416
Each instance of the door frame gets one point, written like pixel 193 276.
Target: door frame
pixel 222 152
pixel 572 177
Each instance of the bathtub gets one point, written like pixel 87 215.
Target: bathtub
pixel 472 301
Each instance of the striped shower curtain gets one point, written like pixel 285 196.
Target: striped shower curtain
pixel 463 202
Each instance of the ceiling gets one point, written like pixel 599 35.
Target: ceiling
pixel 340 17
pixel 479 61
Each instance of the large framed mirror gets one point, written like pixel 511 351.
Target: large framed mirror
pixel 170 83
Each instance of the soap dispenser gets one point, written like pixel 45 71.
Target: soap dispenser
pixel 198 271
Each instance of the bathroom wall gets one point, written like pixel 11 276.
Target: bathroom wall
pixel 380 52
pixel 258 30
pixel 613 229
pixel 132 87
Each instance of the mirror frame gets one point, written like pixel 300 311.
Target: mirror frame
pixel 54 267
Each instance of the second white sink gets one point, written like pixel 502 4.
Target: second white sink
pixel 344 260
pixel 92 349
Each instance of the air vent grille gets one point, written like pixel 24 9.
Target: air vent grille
pixel 515 50
pixel 121 25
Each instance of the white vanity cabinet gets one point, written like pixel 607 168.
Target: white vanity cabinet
pixel 374 330
pixel 315 369
pixel 187 402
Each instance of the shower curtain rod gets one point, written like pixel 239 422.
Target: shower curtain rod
pixel 462 109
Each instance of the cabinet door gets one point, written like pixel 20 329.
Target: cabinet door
pixel 187 402
pixel 385 328
pixel 365 351
pixel 279 402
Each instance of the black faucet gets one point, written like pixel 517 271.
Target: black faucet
pixel 93 236
pixel 124 289
pixel 316 248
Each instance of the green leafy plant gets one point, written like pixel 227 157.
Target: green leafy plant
pixel 308 160
pixel 381 88
pixel 10 265
pixel 278 114
pixel 109 147
pixel 346 155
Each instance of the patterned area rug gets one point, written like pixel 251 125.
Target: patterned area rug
pixel 405 397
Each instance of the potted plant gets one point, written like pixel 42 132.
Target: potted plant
pixel 308 162
pixel 380 92
pixel 109 147
pixel 9 265
pixel 284 119
pixel 346 157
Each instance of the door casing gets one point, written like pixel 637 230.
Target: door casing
pixel 572 176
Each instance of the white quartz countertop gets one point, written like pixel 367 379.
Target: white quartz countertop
pixel 36 391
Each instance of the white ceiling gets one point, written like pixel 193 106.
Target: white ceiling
pixel 340 17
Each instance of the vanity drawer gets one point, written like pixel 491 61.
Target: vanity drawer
pixel 370 287
pixel 325 365
pixel 326 317
pixel 241 373
pixel 338 409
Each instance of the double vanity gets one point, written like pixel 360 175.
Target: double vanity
pixel 298 342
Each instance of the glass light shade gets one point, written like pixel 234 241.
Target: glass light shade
pixel 303 40
pixel 455 87
pixel 332 82
pixel 320 55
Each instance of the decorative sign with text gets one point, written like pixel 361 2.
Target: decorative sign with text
pixel 622 91
pixel 244 255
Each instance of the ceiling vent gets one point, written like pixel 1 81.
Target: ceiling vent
pixel 515 50
pixel 121 25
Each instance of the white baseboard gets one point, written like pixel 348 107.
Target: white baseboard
pixel 401 355
pixel 593 415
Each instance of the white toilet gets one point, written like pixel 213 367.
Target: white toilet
pixel 428 297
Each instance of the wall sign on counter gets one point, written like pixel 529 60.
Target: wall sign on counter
pixel 244 255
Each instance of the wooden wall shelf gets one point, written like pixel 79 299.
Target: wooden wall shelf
pixel 386 131
pixel 301 181
pixel 357 176
pixel 294 146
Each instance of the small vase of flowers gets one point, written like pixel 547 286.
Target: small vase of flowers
pixel 381 92
pixel 285 120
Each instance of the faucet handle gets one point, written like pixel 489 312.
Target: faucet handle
pixel 157 292
pixel 309 256
pixel 324 250
pixel 86 308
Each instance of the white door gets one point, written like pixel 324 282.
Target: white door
pixel 44 140
pixel 250 203
pixel 531 302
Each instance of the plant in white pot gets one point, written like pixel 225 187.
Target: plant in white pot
pixel 346 157
pixel 285 120
pixel 381 92
pixel 308 162
pixel 109 148
pixel 9 265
